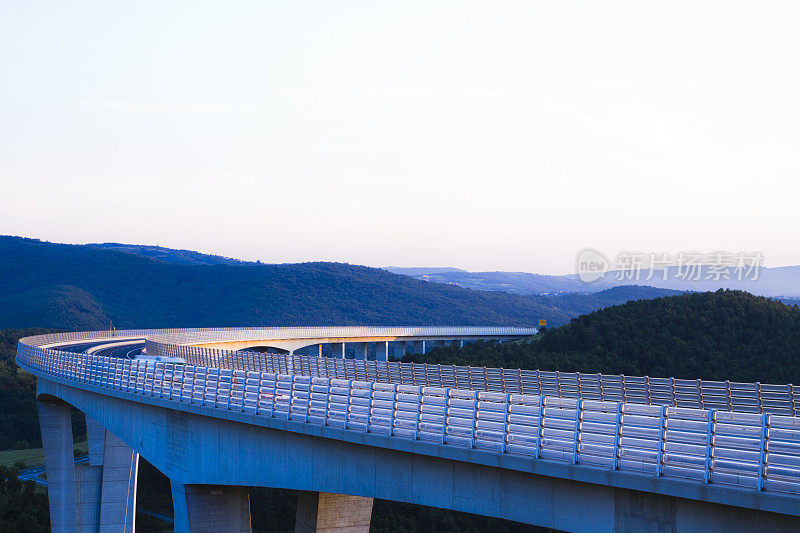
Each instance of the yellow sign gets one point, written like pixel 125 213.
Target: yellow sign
pixel 542 322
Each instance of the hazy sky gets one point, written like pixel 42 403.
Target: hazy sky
pixel 486 135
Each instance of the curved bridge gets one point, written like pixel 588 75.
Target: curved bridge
pixel 575 452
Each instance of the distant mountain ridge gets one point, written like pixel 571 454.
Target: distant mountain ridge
pixel 513 282
pixel 88 287
pixel 782 282
pixel 170 255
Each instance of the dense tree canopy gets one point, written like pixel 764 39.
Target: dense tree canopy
pixel 714 335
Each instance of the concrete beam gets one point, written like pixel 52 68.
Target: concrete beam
pixel 246 449
pixel 56 425
pixel 323 512
pixel 210 508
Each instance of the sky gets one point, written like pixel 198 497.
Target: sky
pixel 483 135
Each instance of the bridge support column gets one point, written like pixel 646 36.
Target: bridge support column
pixel 322 512
pixel 382 351
pixel 88 483
pixel 210 508
pixel 337 350
pixel 361 350
pixel 399 349
pixel 56 425
pixel 120 474
pixel 107 485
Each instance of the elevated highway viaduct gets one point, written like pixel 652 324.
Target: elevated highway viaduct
pixel 573 452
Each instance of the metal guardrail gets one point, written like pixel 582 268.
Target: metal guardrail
pixel 746 450
pixel 781 400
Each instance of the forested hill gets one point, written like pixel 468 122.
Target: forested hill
pixel 86 287
pixel 713 335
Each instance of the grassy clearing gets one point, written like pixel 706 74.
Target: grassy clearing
pixel 32 456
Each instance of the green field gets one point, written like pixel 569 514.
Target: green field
pixel 32 456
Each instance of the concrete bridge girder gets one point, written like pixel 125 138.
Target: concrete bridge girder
pixel 292 345
pixel 238 449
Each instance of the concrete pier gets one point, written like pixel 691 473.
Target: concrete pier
pixel 120 472
pixel 88 493
pixel 361 350
pixel 96 497
pixel 322 512
pixel 338 350
pixel 399 349
pixel 56 426
pixel 210 508
pixel 382 351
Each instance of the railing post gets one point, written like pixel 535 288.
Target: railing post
pixel 274 396
pixel 349 400
pixel 577 434
pixel 758 397
pixel 600 387
pixel 394 412
pixel 709 445
pixel 183 383
pixel 446 413
pixel 700 398
pixel 674 397
pixel 327 403
pixel 790 390
pixel 419 413
pixel 369 407
pixel 763 450
pixel 216 391
pixel 662 421
pixel 728 395
pixel 291 398
pixel 474 420
pixel 617 434
pixel 540 427
pixel 505 423
pixel 308 398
